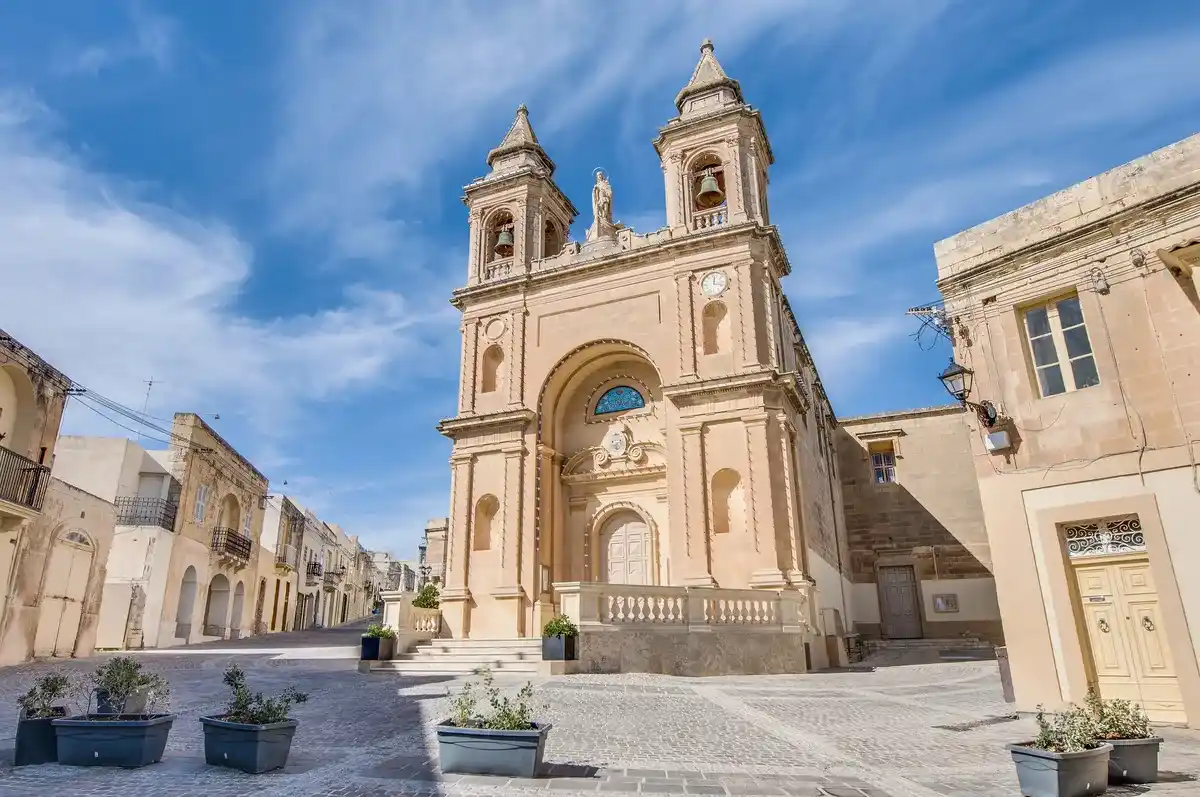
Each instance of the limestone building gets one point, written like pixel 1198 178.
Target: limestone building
pixel 1076 321
pixel 639 411
pixel 283 531
pixel 54 536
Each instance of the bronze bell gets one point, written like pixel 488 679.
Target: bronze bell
pixel 710 194
pixel 504 243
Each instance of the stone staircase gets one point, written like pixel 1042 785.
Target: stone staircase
pixel 464 656
pixel 925 651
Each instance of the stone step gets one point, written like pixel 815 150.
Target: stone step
pixel 455 666
pixel 480 653
pixel 472 644
pixel 893 644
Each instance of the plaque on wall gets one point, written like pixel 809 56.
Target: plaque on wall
pixel 945 604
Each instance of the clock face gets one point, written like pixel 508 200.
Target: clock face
pixel 714 284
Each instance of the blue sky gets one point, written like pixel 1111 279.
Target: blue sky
pixel 257 204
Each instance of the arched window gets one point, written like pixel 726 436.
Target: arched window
pixel 493 365
pixel 716 328
pixel 485 513
pixel 500 241
pixel 707 182
pixel 729 505
pixel 552 242
pixel 619 399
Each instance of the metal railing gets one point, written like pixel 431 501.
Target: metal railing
pixel 286 556
pixel 315 570
pixel 227 542
pixel 22 481
pixel 134 511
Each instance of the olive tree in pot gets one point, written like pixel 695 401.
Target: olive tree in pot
pixel 36 743
pixel 255 732
pixel 127 731
pixel 500 740
pixel 560 640
pixel 1124 725
pixel 427 598
pixel 1065 760
pixel 378 644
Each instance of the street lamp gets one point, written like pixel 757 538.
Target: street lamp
pixel 958 382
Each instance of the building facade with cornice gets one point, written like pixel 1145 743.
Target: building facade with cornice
pixel 1079 321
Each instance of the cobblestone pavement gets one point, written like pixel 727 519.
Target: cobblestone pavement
pixel 919 731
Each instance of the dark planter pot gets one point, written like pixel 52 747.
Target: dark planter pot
pixel 250 748
pixel 1133 760
pixel 376 648
pixel 134 704
pixel 36 741
pixel 108 740
pixel 476 751
pixel 560 648
pixel 1045 774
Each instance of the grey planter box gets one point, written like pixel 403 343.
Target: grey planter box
pixel 1133 760
pixel 377 648
pixel 476 751
pixel 105 741
pixel 134 704
pixel 560 648
pixel 1045 774
pixel 250 748
pixel 36 740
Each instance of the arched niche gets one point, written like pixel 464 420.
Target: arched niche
pixel 486 509
pixel 491 377
pixel 715 337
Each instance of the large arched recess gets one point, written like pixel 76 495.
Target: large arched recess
pixel 580 366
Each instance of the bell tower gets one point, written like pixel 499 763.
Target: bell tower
pixel 715 154
pixel 518 214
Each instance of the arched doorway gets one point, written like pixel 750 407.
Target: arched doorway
pixel 216 613
pixel 625 549
pixel 187 605
pixel 235 615
pixel 64 584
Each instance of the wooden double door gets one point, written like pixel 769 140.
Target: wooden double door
pixel 1130 654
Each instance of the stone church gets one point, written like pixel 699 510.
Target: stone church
pixel 640 422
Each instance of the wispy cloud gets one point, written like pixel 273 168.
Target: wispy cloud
pixel 152 38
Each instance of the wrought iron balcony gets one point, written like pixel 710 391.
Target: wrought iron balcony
pixel 229 544
pixel 313 572
pixel 22 481
pixel 133 511
pixel 285 557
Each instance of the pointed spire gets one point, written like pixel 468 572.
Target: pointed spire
pixel 519 138
pixel 709 76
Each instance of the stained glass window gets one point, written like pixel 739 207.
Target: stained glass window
pixel 619 399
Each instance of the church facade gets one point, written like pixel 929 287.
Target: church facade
pixel 636 409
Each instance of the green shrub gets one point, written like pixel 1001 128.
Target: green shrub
pixel 255 708
pixel 380 630
pixel 121 678
pixel 502 713
pixel 38 702
pixel 427 598
pixel 1069 731
pixel 1117 719
pixel 561 626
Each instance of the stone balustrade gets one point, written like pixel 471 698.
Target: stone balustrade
pixel 599 606
pixel 409 622
pixel 708 219
pixel 424 621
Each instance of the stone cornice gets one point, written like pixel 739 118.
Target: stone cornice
pixel 1044 248
pixel 754 381
pixel 623 258
pixel 517 177
pixel 678 125
pixel 918 412
pixel 497 421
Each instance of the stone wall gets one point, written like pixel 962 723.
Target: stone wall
pixel 681 652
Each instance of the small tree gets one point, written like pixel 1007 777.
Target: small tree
pixel 254 708
pixel 119 679
pixel 427 598
pixel 38 702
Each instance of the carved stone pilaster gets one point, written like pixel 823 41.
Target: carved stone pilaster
pixel 685 301
pixel 474 263
pixel 516 375
pixel 734 189
pixel 470 366
pixel 744 288
pixel 457 547
pixel 510 540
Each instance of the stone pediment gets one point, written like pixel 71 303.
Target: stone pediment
pixel 618 456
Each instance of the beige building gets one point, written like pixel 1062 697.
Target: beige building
pixel 640 426
pixel 278 565
pixel 917 544
pixel 1079 318
pixel 431 553
pixel 54 537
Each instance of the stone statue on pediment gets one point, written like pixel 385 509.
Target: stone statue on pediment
pixel 602 221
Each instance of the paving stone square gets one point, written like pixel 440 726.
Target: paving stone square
pixel 917 731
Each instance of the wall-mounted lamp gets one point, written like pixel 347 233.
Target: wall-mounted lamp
pixel 1099 281
pixel 958 382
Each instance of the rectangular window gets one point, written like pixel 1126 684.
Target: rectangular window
pixel 1059 345
pixel 883 463
pixel 201 502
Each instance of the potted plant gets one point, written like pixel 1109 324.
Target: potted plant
pixel 255 732
pixel 125 736
pixel 1065 760
pixel 427 598
pixel 560 639
pixel 1124 725
pixel 36 743
pixel 502 739
pixel 378 644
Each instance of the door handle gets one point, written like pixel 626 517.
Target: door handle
pixel 1103 625
pixel 1147 623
